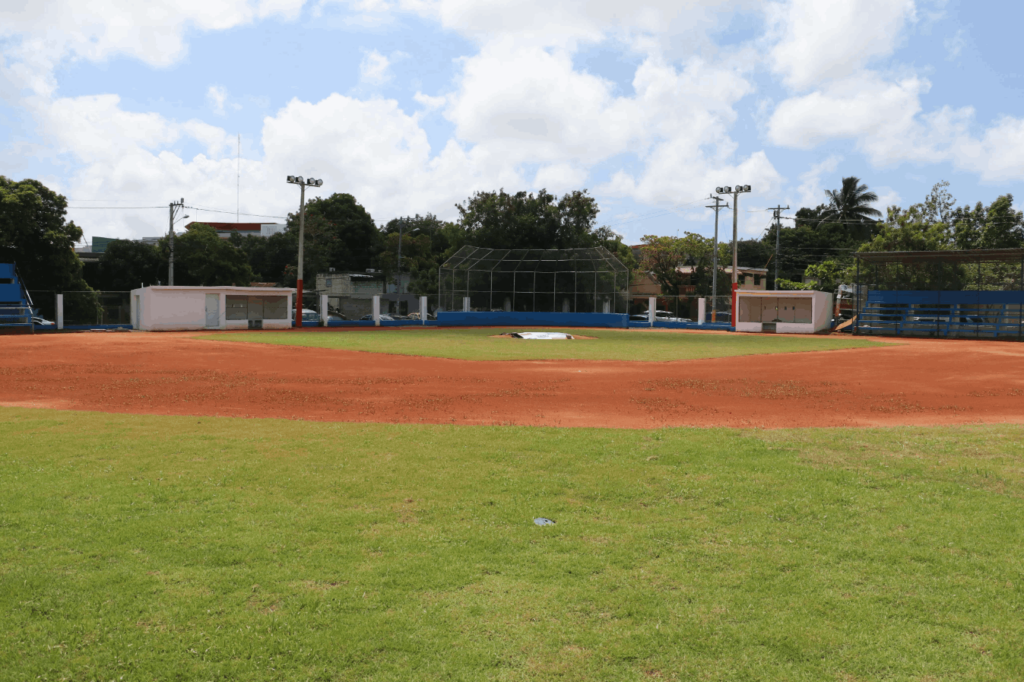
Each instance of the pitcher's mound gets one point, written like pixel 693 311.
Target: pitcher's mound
pixel 541 336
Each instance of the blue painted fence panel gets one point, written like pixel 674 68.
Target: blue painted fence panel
pixel 513 319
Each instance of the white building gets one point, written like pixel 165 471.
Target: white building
pixel 783 312
pixel 161 308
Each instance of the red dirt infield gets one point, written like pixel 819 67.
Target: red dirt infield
pixel 912 382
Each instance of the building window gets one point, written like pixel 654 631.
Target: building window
pixel 275 308
pixel 257 307
pixel 328 284
pixel 237 308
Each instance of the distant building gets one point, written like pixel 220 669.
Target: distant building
pixel 225 230
pixel 749 278
pixel 350 293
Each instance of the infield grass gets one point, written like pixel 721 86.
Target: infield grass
pixel 184 548
pixel 606 344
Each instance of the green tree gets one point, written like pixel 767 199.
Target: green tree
pixel 35 234
pixel 829 273
pixel 201 258
pixel 338 233
pixel 1004 227
pixel 851 203
pixel 662 256
pixel 427 241
pixel 127 265
pixel 342 229
pixel 498 220
pixel 910 230
pixel 269 257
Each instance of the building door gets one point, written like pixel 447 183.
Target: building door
pixel 212 311
pixel 769 309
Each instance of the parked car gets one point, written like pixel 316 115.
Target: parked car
pixel 310 317
pixel 383 316
pixel 41 321
pixel 939 319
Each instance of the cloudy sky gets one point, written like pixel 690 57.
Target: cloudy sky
pixel 412 105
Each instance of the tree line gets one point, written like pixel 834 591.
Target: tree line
pixel 819 244
pixel 339 233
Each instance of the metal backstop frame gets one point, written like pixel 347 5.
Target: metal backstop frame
pixel 588 280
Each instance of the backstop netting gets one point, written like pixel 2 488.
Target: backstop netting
pixel 977 293
pixel 589 280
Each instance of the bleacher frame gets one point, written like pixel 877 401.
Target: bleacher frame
pixel 943 294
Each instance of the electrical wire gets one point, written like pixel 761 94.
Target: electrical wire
pixel 254 215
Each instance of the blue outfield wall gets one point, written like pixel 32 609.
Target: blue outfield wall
pixel 83 327
pixel 718 326
pixel 502 319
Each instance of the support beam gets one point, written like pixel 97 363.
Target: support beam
pixel 60 311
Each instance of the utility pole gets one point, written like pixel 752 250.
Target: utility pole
pixel 735 192
pixel 719 205
pixel 302 183
pixel 778 228
pixel 174 206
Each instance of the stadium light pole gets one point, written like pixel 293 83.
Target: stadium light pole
pixel 309 182
pixel 735 192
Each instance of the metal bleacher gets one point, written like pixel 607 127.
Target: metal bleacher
pixel 15 303
pixel 943 314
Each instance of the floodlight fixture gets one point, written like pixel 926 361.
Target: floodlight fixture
pixel 746 188
pixel 719 190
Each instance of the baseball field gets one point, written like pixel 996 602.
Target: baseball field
pixel 361 505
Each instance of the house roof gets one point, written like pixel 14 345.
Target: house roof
pixel 223 227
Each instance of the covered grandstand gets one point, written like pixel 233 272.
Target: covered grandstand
pixel 977 293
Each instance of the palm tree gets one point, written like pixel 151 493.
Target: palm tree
pixel 851 203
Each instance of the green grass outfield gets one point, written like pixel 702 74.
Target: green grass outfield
pixel 606 344
pixel 184 548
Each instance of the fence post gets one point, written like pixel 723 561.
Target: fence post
pixel 323 310
pixel 376 310
pixel 701 309
pixel 423 309
pixel 60 311
pixel 652 304
pixel 465 304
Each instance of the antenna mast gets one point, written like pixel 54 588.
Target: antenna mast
pixel 238 178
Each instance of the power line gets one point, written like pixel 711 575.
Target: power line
pixel 253 215
pixel 111 208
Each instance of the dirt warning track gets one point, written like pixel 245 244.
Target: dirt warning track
pixel 913 382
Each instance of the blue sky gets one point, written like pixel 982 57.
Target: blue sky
pixel 413 105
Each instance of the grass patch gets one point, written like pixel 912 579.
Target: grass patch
pixel 606 344
pixel 220 549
